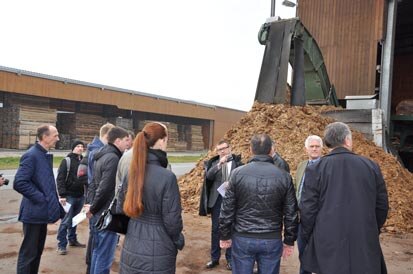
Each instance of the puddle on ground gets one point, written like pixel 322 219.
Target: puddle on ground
pixel 8 219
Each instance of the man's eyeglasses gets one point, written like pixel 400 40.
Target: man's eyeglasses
pixel 222 148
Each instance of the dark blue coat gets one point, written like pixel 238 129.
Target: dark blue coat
pixel 35 181
pixel 343 206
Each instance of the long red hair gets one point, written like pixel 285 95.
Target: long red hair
pixel 151 133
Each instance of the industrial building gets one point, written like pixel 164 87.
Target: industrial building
pixel 367 47
pixel 78 109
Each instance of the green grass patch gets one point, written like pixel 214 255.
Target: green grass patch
pixel 183 159
pixel 13 162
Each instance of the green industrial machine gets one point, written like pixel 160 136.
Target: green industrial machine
pixel 288 41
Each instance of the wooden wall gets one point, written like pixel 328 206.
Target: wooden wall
pixel 109 104
pixel 53 89
pixel 348 32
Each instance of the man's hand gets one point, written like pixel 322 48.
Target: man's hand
pixel 287 251
pixel 225 244
pixel 223 160
pixel 86 209
pixel 62 201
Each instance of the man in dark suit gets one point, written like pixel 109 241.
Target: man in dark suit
pixel 313 147
pixel 217 172
pixel 343 205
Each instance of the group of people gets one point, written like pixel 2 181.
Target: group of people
pixel 148 195
pixel 334 208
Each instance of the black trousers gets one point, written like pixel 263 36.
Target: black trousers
pixel 34 238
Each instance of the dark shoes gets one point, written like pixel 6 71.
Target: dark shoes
pixel 76 244
pixel 212 264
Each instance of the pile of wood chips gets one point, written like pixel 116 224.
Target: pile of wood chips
pixel 289 127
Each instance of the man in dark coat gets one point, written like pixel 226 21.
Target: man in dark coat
pixel 71 191
pixel 217 171
pixel 40 204
pixel 343 205
pixel 313 147
pixel 100 194
pixel 85 169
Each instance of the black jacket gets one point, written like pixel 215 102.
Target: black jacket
pixel 259 201
pixel 204 210
pixel 280 162
pixel 102 189
pixel 73 186
pixel 153 239
pixel 343 206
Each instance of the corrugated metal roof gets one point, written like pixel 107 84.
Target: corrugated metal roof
pixel 103 87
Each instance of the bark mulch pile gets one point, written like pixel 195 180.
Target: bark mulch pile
pixel 289 127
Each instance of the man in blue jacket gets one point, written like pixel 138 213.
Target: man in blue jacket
pixel 86 169
pixel 40 204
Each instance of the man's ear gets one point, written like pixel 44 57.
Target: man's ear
pixel 348 143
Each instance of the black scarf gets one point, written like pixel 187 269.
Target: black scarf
pixel 161 155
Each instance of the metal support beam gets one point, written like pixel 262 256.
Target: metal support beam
pixel 298 88
pixel 387 65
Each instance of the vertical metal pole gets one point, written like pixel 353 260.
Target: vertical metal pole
pixel 273 8
pixel 387 65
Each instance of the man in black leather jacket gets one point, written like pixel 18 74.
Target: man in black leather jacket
pixel 259 201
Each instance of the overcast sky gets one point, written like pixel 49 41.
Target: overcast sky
pixel 205 51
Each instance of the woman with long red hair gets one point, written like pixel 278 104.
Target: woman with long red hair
pixel 153 203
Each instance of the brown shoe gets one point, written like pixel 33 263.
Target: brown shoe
pixel 212 264
pixel 76 244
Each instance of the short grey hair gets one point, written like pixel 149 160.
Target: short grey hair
pixel 336 133
pixel 313 138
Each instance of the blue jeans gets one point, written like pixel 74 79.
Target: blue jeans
pixel 65 228
pixel 215 235
pixel 103 252
pixel 301 248
pixel 266 252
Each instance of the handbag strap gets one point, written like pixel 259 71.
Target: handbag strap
pixel 116 194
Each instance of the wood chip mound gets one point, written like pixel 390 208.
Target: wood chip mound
pixel 289 126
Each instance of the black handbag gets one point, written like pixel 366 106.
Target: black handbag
pixel 111 221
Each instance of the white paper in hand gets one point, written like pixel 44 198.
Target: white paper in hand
pixel 66 207
pixel 78 218
pixel 223 188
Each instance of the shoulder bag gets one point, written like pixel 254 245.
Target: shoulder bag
pixel 111 221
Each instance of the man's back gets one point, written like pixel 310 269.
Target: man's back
pixel 261 194
pixel 343 206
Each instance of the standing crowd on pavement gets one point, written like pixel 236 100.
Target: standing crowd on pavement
pixel 334 207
